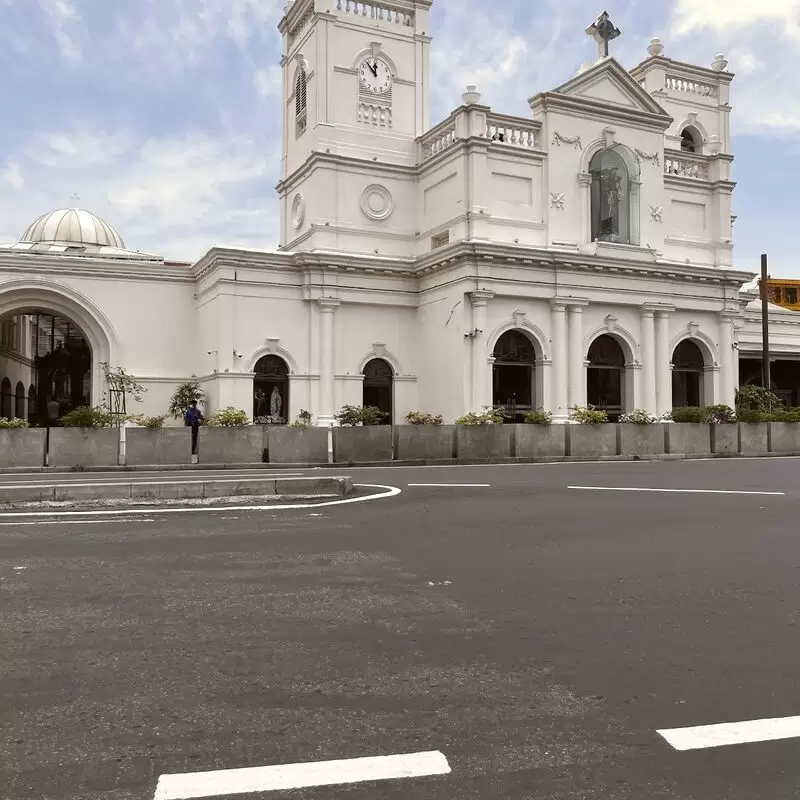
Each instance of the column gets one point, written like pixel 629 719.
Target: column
pixel 648 398
pixel 577 370
pixel 663 364
pixel 327 309
pixel 481 370
pixel 728 381
pixel 559 402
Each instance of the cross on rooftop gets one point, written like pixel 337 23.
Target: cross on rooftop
pixel 603 31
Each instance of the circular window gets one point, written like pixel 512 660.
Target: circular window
pixel 298 211
pixel 376 202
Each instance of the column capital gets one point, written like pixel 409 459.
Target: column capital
pixel 649 309
pixel 585 178
pixel 729 316
pixel 663 312
pixel 328 305
pixel 480 297
pixel 571 302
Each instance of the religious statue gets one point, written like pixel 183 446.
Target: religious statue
pixel 275 403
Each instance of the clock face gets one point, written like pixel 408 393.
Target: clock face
pixel 375 75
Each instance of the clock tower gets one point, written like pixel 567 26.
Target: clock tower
pixel 355 97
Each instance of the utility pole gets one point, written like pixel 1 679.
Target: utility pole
pixel 766 380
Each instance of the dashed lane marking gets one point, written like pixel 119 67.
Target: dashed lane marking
pixel 671 491
pixel 729 733
pixel 298 776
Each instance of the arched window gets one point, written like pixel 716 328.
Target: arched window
pixel 31 404
pixel 690 140
pixel 301 101
pixel 19 397
pixel 513 375
pixel 688 367
pixel 605 376
pixel 379 387
pixel 611 209
pixel 271 391
pixel 6 399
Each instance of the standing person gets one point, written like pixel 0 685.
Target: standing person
pixel 194 417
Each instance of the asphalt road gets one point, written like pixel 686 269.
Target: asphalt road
pixel 537 635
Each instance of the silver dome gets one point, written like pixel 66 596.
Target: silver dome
pixel 73 226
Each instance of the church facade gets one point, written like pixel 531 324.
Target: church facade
pixel 581 255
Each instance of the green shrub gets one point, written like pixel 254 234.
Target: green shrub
pixel 150 422
pixel 184 395
pixel 14 422
pixel 721 415
pixel 229 418
pixel 352 416
pixel 638 417
pixel 489 416
pixel 589 415
pixel 785 415
pixel 540 417
pixel 757 398
pixel 85 417
pixel 689 414
pixel 753 415
pixel 303 420
pixel 421 418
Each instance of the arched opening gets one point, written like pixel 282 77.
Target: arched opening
pixel 31 413
pixel 20 404
pixel 271 391
pixel 6 399
pixel 610 198
pixel 688 367
pixel 605 378
pixel 690 140
pixel 513 375
pixel 379 387
pixel 301 101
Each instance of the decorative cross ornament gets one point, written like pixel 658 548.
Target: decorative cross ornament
pixel 603 31
pixel 557 200
pixel 75 197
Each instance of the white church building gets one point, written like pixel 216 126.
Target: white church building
pixel 579 255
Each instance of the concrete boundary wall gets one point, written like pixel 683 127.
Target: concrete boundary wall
pixel 22 447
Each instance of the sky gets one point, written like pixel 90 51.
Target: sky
pixel 163 116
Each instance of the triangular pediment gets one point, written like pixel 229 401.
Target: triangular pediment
pixel 608 82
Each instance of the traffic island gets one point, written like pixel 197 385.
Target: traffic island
pixel 177 490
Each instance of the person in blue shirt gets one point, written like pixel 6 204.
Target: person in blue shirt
pixel 194 418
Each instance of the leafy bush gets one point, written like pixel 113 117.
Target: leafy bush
pixel 589 415
pixel 540 417
pixel 150 422
pixel 489 416
pixel 757 398
pixel 230 418
pixel 303 420
pixel 721 415
pixel 638 417
pixel 85 417
pixel 421 418
pixel 689 414
pixel 785 415
pixel 184 395
pixel 14 422
pixel 351 416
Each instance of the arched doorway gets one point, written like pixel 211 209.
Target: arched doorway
pixel 605 376
pixel 20 404
pixel 6 399
pixel 31 416
pixel 379 387
pixel 513 375
pixel 271 391
pixel 688 367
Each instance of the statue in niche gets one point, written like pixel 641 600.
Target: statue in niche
pixel 275 403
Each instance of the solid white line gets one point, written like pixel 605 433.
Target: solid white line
pixel 298 776
pixel 75 522
pixel 455 485
pixel 669 491
pixel 728 733
pixel 390 491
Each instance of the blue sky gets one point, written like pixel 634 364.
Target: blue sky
pixel 163 115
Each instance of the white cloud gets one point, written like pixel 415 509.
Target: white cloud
pixel 63 19
pixel 12 175
pixel 726 15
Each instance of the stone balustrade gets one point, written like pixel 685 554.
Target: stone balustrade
pixel 377 11
pixel 438 139
pixel 696 88
pixel 513 131
pixel 686 167
pixel 375 114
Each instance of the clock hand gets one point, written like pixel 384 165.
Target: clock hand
pixel 373 68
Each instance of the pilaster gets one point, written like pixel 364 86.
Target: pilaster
pixel 559 401
pixel 327 310
pixel 648 377
pixel 481 377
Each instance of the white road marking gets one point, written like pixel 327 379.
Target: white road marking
pixel 453 485
pixel 669 491
pixel 389 491
pixel 298 776
pixel 76 522
pixel 168 481
pixel 729 733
